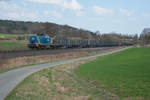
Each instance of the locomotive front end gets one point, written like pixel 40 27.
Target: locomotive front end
pixel 39 41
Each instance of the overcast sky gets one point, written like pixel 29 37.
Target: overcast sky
pixel 124 16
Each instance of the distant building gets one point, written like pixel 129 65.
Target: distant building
pixel 146 30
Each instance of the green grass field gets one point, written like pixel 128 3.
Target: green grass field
pixel 125 74
pixel 8 35
pixel 12 45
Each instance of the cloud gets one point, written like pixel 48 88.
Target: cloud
pixel 102 11
pixel 54 14
pixel 64 4
pixel 74 5
pixel 57 2
pixel 146 14
pixel 126 12
pixel 12 11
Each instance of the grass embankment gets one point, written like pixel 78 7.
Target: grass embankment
pixel 12 45
pixel 125 74
pixel 13 63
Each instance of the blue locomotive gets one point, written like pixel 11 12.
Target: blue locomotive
pixel 43 41
pixel 39 41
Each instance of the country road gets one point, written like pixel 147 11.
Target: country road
pixel 9 80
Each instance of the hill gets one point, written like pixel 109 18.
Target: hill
pixel 21 27
pixel 63 31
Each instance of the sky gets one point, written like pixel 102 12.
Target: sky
pixel 121 16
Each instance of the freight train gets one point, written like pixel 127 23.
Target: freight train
pixel 44 41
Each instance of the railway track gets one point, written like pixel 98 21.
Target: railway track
pixel 23 53
pixel 13 51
